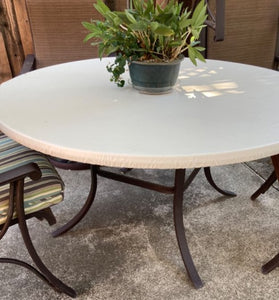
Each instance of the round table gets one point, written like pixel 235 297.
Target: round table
pixel 218 113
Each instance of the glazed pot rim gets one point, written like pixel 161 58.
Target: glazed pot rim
pixel 178 60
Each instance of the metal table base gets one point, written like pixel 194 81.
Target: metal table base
pixel 178 189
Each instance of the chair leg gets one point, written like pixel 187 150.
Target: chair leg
pixel 265 186
pixel 46 275
pixel 27 266
pixel 46 214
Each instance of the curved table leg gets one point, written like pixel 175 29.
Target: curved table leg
pixel 213 184
pixel 85 207
pixel 271 265
pixel 179 228
pixel 265 186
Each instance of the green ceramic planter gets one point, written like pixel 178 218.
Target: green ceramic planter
pixel 154 78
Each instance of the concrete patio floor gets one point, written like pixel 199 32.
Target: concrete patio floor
pixel 125 248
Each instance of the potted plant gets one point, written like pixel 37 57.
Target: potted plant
pixel 148 35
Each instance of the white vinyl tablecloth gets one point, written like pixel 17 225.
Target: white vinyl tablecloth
pixel 218 113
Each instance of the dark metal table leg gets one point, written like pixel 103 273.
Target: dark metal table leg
pixel 271 265
pixel 85 207
pixel 209 178
pixel 180 185
pixel 265 186
pixel 179 228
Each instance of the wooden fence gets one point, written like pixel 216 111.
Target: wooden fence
pixel 250 34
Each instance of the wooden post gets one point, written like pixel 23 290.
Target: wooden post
pixel 11 36
pixel 23 26
pixel 5 70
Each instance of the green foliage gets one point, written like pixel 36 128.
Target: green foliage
pixel 146 32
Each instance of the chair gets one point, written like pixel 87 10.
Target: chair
pixel 29 185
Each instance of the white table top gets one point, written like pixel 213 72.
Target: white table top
pixel 219 113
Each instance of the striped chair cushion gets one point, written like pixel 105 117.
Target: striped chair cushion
pixel 40 194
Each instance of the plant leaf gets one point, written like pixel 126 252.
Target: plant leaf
pixel 130 17
pixel 163 30
pixel 89 26
pixel 199 14
pixel 191 54
pixel 139 26
pixel 101 7
pixel 89 36
pixel 199 55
